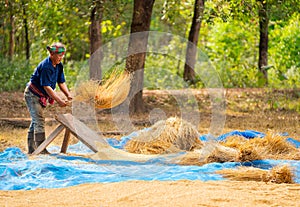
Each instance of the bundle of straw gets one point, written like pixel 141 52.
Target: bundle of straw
pixel 239 149
pixel 278 174
pixel 165 136
pixel 222 154
pixel 248 152
pixel 108 93
pixel 218 154
pixel 272 146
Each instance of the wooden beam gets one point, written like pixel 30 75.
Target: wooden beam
pixel 66 140
pixel 75 127
pixel 50 138
pixel 81 131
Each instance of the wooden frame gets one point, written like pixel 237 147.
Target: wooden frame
pixel 75 127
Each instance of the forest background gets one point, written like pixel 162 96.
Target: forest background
pixel 229 36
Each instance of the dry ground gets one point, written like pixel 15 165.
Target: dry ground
pixel 162 194
pixel 256 109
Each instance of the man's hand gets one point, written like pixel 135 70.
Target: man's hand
pixel 62 103
pixel 54 96
pixel 69 102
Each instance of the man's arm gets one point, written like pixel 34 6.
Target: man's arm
pixel 54 96
pixel 63 87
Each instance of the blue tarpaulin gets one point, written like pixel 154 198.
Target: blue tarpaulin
pixel 18 171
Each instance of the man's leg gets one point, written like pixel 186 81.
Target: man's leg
pixel 38 120
pixel 30 142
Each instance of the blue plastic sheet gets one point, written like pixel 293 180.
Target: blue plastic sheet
pixel 18 171
pixel 247 134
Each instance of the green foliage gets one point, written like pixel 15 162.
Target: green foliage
pixel 57 21
pixel 229 35
pixel 282 10
pixel 285 54
pixel 232 49
pixel 117 16
pixel 72 71
pixel 172 16
pixel 161 72
pixel 14 75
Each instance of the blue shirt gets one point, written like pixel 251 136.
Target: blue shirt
pixel 47 75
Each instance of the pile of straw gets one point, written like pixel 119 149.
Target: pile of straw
pixel 165 136
pixel 239 149
pixel 219 153
pixel 272 146
pixel 222 154
pixel 106 94
pixel 278 174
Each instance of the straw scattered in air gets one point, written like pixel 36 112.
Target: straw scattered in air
pixel 108 93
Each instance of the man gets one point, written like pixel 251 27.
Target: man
pixel 41 89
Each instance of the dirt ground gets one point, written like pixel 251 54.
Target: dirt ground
pixel 155 193
pixel 264 110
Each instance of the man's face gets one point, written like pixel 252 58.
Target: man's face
pixel 56 58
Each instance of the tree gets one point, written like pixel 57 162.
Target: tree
pixel 271 10
pixel 191 51
pixel 263 39
pixel 95 40
pixel 11 49
pixel 25 22
pixel 138 41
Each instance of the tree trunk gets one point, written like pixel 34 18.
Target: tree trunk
pixel 11 33
pixel 135 61
pixel 191 51
pixel 263 39
pixel 2 38
pixel 95 40
pixel 26 32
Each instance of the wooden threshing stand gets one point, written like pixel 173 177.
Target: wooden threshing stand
pixel 72 126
